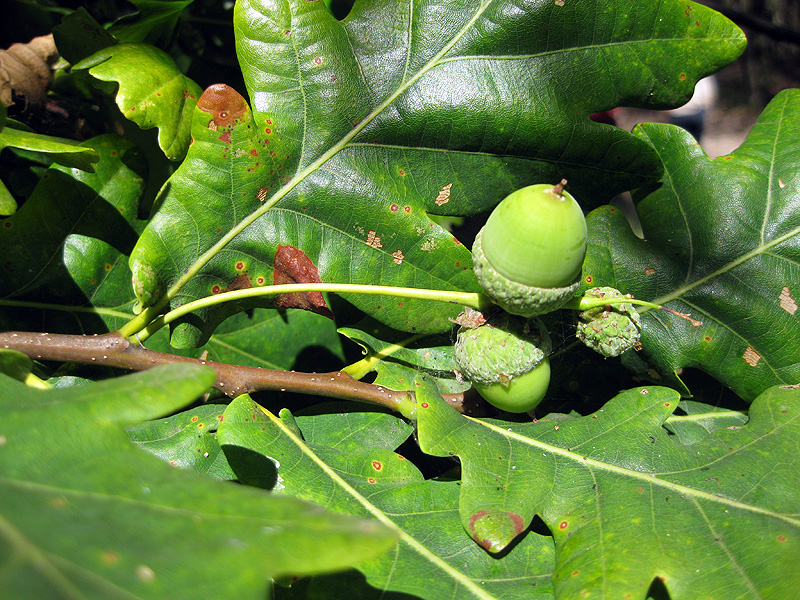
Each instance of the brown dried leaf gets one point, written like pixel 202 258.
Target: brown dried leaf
pixel 292 265
pixel 25 70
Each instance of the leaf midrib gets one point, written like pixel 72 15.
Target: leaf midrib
pixel 312 167
pixel 377 513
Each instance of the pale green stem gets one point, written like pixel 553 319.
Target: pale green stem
pixel 590 302
pixel 473 300
pixel 358 370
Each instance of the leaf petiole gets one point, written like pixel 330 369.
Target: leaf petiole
pixel 146 324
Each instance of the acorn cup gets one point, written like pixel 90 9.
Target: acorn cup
pixel 506 361
pixel 528 256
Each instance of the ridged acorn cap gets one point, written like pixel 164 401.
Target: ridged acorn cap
pixel 609 330
pixel 514 297
pixel 502 349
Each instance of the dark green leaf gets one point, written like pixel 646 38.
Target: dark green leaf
pixel 154 23
pixel 434 558
pixel 361 127
pixel 79 35
pixel 73 233
pixel 722 243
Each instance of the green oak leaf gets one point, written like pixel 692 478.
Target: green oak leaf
pixel 79 35
pixel 153 23
pixel 721 243
pixel 63 152
pixel 360 128
pixel 86 514
pixel 152 91
pixel 187 440
pixel 348 470
pixel 627 502
pixel 73 235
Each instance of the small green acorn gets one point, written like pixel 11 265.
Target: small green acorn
pixel 528 256
pixel 611 329
pixel 506 360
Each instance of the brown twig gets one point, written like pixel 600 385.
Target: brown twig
pixel 114 350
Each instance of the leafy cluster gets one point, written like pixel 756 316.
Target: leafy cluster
pixel 345 153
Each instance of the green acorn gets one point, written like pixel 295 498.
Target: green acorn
pixel 506 361
pixel 611 329
pixel 528 256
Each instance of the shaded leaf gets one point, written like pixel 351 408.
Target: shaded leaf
pixel 152 91
pixel 73 234
pixel 722 243
pixel 86 514
pixel 187 440
pixel 363 126
pixel 153 23
pixel 79 35
pixel 434 558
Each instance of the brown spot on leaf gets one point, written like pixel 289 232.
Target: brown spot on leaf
pixel 751 357
pixel 787 303
pixel 397 257
pixel 444 195
pixel 373 239
pixel 494 530
pixel 223 103
pixel 649 271
pixel 292 265
pixel 240 282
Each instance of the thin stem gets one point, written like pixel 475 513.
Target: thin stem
pixel 473 300
pixel 589 302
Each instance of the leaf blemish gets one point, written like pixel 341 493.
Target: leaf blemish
pixel 376 464
pixel 787 303
pixel 373 239
pixel 444 195
pixel 751 357
pixel 398 257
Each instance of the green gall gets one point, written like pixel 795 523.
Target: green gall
pixel 610 329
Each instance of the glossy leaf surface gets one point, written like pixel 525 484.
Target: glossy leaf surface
pixel 362 476
pixel 722 243
pixel 152 91
pixel 360 127
pixel 627 502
